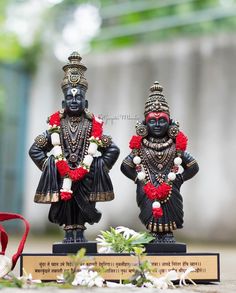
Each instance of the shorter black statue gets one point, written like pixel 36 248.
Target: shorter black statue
pixel 74 177
pixel 159 164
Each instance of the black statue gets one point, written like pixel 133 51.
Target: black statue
pixel 74 177
pixel 159 164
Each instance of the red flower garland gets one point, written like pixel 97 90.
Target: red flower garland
pixel 161 192
pixel 157 212
pixel 181 142
pixel 78 173
pixel 150 190
pixel 97 128
pixel 62 165
pixel 55 119
pixel 135 142
pixel 66 195
pixel 157 193
pixel 74 174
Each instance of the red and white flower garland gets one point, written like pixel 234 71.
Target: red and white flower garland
pixel 62 164
pixel 163 191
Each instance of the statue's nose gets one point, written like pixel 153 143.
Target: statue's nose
pixel 74 99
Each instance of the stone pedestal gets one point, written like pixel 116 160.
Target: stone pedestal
pixel 65 248
pixel 165 248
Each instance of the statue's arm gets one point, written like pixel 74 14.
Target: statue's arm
pixel 39 149
pixel 110 152
pixel 190 166
pixel 128 168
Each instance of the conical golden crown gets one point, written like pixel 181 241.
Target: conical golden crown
pixel 74 72
pixel 156 101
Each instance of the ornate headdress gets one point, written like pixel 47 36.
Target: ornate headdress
pixel 156 101
pixel 157 106
pixel 74 72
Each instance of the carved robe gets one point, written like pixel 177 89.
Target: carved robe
pixel 157 164
pixel 95 186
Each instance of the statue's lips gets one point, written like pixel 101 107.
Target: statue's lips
pixel 157 129
pixel 74 107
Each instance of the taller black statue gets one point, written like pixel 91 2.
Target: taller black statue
pixel 74 177
pixel 159 164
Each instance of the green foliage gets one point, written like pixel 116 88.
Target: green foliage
pixel 26 282
pixel 163 12
pixel 58 15
pixel 76 260
pixel 11 51
pixel 119 243
pixel 30 56
pixel 11 283
pixel 17 283
pixel 143 267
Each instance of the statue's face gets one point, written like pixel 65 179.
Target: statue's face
pixel 74 100
pixel 157 127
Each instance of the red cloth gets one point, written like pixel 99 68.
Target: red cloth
pixel 4 236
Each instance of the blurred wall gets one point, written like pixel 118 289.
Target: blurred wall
pixel 198 76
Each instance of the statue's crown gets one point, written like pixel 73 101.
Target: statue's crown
pixel 156 89
pixel 156 101
pixel 74 72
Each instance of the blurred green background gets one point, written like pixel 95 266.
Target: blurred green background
pixel 25 24
pixel 29 28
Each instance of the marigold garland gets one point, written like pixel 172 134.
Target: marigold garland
pixel 97 128
pixel 181 141
pixel 157 212
pixel 135 142
pixel 62 164
pixel 163 190
pixel 54 119
pixel 66 195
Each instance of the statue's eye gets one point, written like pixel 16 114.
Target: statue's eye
pixel 152 121
pixel 162 120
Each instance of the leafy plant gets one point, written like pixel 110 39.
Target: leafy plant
pixel 76 260
pixel 122 239
pixel 144 267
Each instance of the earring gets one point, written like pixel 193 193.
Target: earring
pixel 173 130
pixel 141 129
pixel 88 114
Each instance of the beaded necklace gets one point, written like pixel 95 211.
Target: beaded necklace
pixel 69 174
pixel 160 194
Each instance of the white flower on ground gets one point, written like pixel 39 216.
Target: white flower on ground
pixel 184 276
pixel 27 279
pixel 148 285
pixel 60 279
pixel 163 282
pixel 88 278
pixel 119 285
